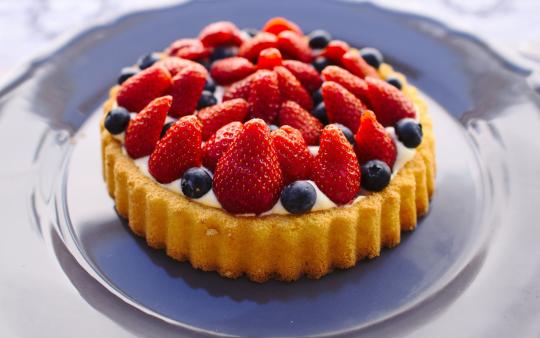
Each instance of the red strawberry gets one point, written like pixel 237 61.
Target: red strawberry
pixel 355 63
pixel 143 130
pixel 278 24
pixel 174 64
pixel 389 103
pixel 335 49
pixel 232 69
pixel 239 89
pixel 305 73
pixel 342 106
pixel 354 84
pixel 372 141
pixel 137 91
pixel 293 154
pixel 335 170
pixel 214 117
pixel 251 48
pixel 295 116
pixel 218 144
pixel 186 89
pixel 191 49
pixel 291 89
pixel 269 58
pixel 221 33
pixel 294 46
pixel 177 151
pixel 248 177
pixel 264 96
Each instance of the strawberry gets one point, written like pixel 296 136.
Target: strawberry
pixel 335 49
pixel 293 154
pixel 389 103
pixel 295 116
pixel 186 89
pixel 251 48
pixel 269 58
pixel 264 96
pixel 191 49
pixel 214 117
pixel 142 132
pixel 174 64
pixel 291 89
pixel 335 170
pixel 218 144
pixel 278 24
pixel 248 176
pixel 352 83
pixel 342 106
pixel 373 142
pixel 305 73
pixel 177 151
pixel 137 91
pixel 239 89
pixel 355 63
pixel 221 33
pixel 232 69
pixel 294 46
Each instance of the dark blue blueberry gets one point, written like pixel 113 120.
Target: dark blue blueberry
pixel 375 175
pixel 409 132
pixel 298 197
pixel 394 81
pixel 251 31
pixel 210 85
pixel 347 132
pixel 148 60
pixel 207 99
pixel 319 39
pixel 273 127
pixel 223 52
pixel 205 63
pixel 372 56
pixel 320 63
pixel 126 73
pixel 317 97
pixel 320 113
pixel 196 182
pixel 117 120
pixel 166 127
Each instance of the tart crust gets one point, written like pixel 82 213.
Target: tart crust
pixel 282 247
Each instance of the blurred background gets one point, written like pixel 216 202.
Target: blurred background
pixel 27 26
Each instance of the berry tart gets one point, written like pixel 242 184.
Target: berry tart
pixel 270 154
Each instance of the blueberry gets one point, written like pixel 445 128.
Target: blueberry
pixel 320 113
pixel 148 60
pixel 117 120
pixel 298 197
pixel 372 56
pixel 317 97
pixel 376 175
pixel 210 85
pixel 205 63
pixel 318 39
pixel 196 182
pixel 166 127
pixel 207 99
pixel 394 81
pixel 320 63
pixel 273 127
pixel 347 132
pixel 126 73
pixel 223 52
pixel 409 132
pixel 250 31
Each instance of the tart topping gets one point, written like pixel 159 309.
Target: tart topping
pixel 409 132
pixel 389 103
pixel 218 143
pixel 294 46
pixel 352 83
pixel 196 182
pixel 264 96
pixel 210 85
pixel 191 49
pixel 298 197
pixel 251 48
pixel 342 106
pixel 148 60
pixel 372 56
pixel 320 113
pixel 186 89
pixel 221 114
pixel 305 73
pixel 335 49
pixel 293 154
pixel 221 33
pixel 207 99
pixel 375 175
pixel 394 81
pixel 126 73
pixel 174 64
pixel 278 24
pixel 319 39
pixel 354 63
pixel 346 132
pixel 291 89
pixel 137 91
pixel 320 63
pixel 229 70
pixel 373 142
pixel 295 116
pixel 269 58
pixel 239 90
pixel 117 120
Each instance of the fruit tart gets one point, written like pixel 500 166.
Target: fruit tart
pixel 267 153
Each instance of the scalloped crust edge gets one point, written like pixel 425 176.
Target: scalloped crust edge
pixel 282 247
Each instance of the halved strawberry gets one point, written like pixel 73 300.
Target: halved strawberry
pixel 174 64
pixel 142 132
pixel 251 48
pixel 191 49
pixel 389 103
pixel 305 73
pixel 137 91
pixel 295 116
pixel 342 106
pixel 232 69
pixel 293 154
pixel 352 83
pixel 264 96
pixel 177 151
pixel 291 89
pixel 335 49
pixel 186 89
pixel 248 176
pixel 269 58
pixel 355 63
pixel 214 117
pixel 239 89
pixel 372 141
pixel 221 33
pixel 218 144
pixel 279 24
pixel 335 170
pixel 294 46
